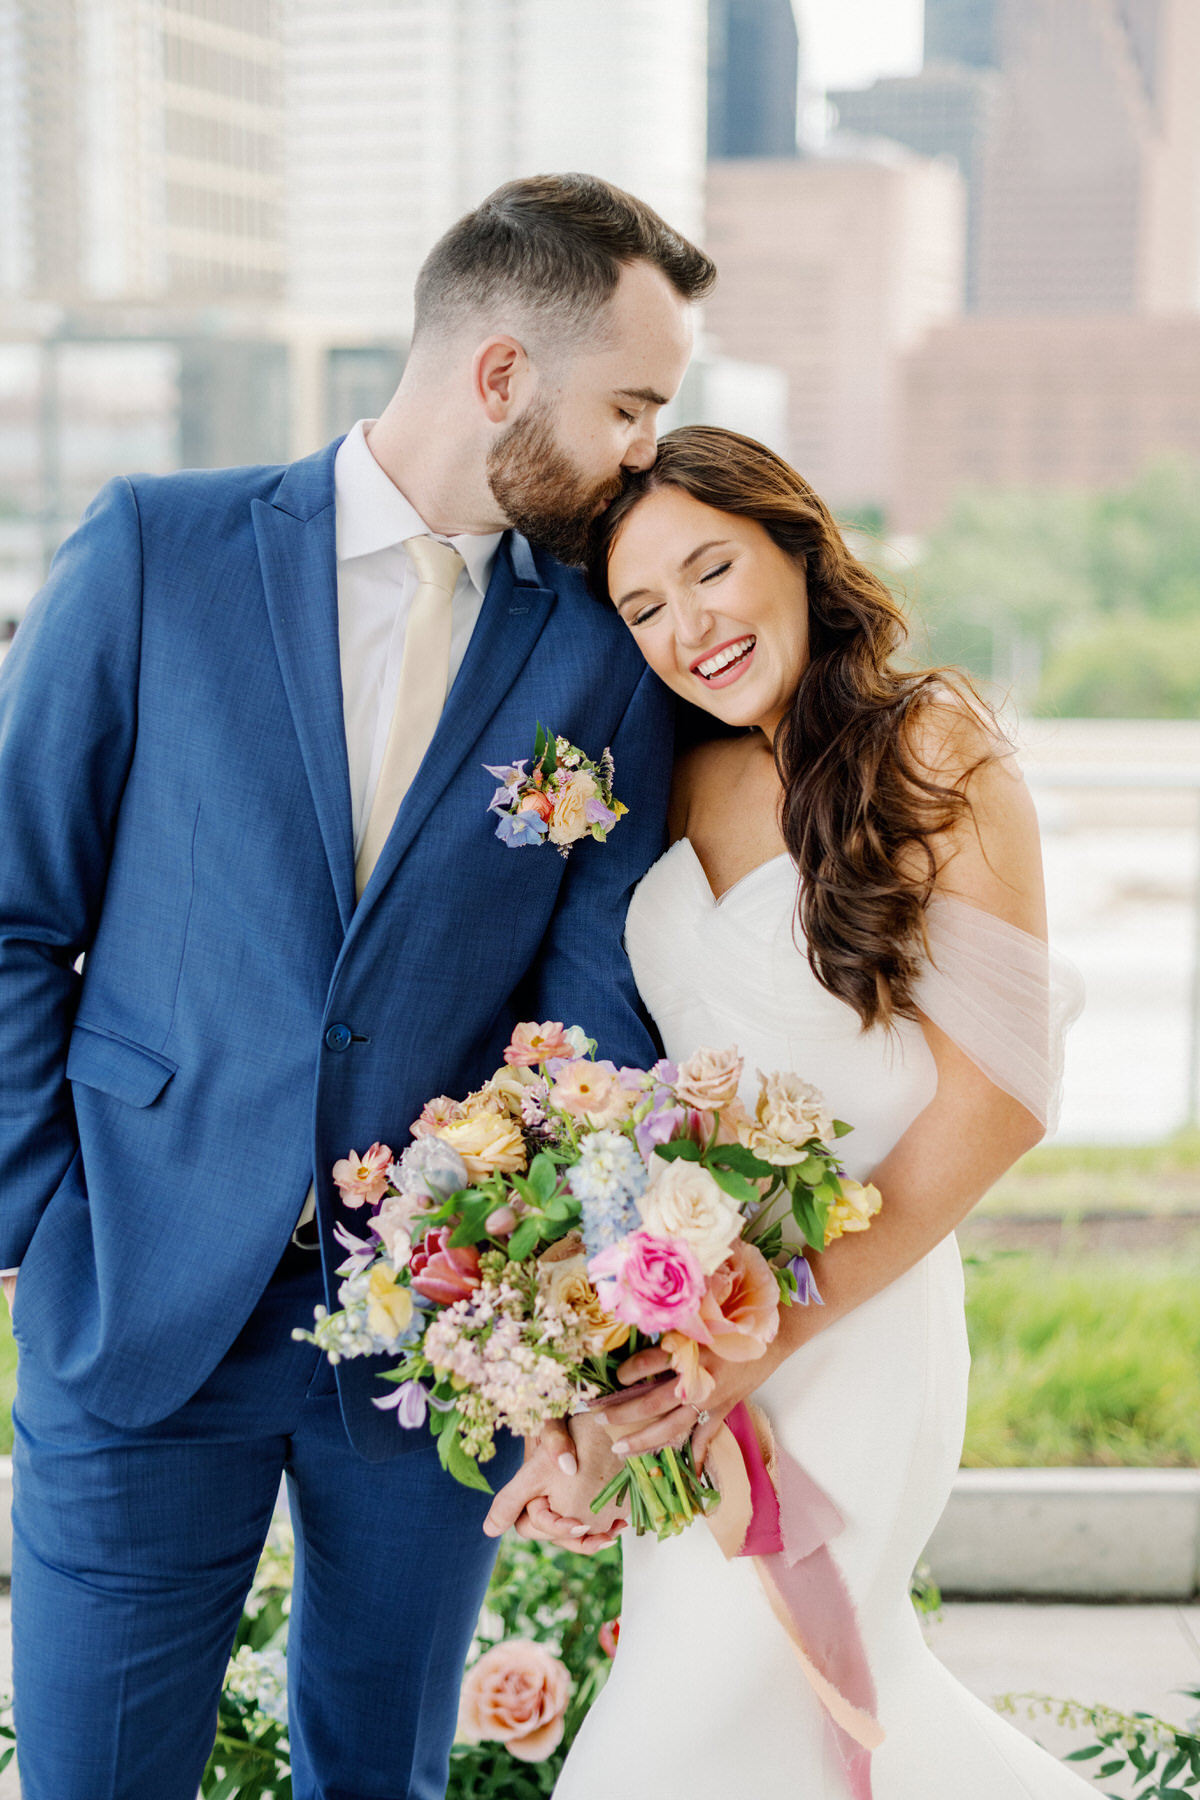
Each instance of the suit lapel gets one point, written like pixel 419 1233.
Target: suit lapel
pixel 297 553
pixel 513 616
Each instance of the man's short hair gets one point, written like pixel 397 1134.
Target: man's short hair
pixel 551 247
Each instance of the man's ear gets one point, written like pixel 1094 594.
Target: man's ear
pixel 500 377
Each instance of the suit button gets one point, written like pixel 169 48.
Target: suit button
pixel 338 1037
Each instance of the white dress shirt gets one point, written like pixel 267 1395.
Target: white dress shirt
pixel 376 582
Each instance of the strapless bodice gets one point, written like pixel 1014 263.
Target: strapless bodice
pixel 733 970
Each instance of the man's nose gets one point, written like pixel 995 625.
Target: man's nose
pixel 643 450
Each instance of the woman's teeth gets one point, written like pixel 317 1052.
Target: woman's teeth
pixel 725 659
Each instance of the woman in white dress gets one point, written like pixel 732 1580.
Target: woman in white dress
pixel 853 892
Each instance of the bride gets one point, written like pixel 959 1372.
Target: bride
pixel 854 892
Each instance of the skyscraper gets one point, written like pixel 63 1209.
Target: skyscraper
pixel 753 66
pixel 1089 197
pixel 140 154
pixel 401 117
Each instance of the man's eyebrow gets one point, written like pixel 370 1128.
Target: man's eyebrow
pixel 646 394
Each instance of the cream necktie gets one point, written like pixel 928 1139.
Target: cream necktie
pixel 420 692
pixel 420 696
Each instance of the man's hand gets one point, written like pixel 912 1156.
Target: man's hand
pixel 550 1480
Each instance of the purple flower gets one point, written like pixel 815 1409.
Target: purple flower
pixel 659 1126
pixel 410 1401
pixel 806 1286
pixel 666 1071
pixel 520 828
pixel 362 1253
pixel 596 813
pixel 511 774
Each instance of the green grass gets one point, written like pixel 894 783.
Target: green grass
pixel 8 1381
pixel 1092 1360
pixel 1067 1180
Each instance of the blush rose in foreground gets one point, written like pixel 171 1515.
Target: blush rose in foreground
pixel 515 1695
pixel 683 1201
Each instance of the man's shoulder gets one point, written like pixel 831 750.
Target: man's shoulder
pixel 301 488
pixel 579 609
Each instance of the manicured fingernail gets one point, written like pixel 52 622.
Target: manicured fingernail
pixel 580 1530
pixel 621 1448
pixel 567 1463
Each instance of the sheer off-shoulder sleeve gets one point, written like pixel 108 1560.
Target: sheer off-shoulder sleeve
pixel 1003 997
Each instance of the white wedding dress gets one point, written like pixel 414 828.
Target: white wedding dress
pixel 706 1699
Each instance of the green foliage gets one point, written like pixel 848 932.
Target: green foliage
pixel 1162 1759
pixel 251 1759
pixel 1094 1361
pixel 1099 591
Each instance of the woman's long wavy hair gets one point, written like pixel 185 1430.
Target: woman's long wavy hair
pixel 859 810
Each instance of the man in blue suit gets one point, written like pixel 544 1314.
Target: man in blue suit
pixel 234 944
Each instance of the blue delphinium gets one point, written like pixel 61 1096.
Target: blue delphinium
pixel 607 1180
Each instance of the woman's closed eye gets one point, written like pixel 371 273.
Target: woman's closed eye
pixel 644 613
pixel 712 574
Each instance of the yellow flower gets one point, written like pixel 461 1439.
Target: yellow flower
pixel 854 1211
pixel 489 1143
pixel 389 1306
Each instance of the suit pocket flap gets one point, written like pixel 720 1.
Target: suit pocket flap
pixel 117 1067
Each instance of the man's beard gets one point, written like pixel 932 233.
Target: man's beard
pixel 541 491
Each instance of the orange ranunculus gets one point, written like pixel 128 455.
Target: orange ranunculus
pixel 516 1694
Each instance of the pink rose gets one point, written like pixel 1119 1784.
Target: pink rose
pixel 609 1636
pixel 516 1694
pixel 360 1180
pixel 652 1283
pixel 532 1044
pixel 440 1273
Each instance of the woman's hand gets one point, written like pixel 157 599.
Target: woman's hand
pixel 657 1417
pixel 549 1498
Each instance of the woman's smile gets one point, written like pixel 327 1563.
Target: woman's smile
pixel 721 667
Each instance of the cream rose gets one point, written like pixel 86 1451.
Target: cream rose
pixel 709 1079
pixel 685 1203
pixel 489 1144
pixel 569 820
pixel 564 1280
pixel 788 1113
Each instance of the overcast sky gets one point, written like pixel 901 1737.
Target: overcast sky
pixel 847 43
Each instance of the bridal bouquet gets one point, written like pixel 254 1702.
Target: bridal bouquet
pixel 568 1213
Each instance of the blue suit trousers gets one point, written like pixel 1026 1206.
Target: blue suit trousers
pixel 133 1550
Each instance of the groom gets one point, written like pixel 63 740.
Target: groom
pixel 253 914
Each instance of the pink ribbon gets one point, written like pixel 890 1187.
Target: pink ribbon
pixel 772 1510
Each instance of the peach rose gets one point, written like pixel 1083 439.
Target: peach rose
pixel 537 802
pixel 489 1143
pixel 516 1694
pixel 435 1113
pixel 709 1079
pixel 739 1314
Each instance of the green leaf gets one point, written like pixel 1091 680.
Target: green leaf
pixel 736 1186
pixel 543 1176
pixel 811 1171
pixel 1110 1768
pixel 736 1156
pixel 1085 1754
pixel 841 1129
pixel 687 1148
pixel 455 1460
pixel 550 754
pixel 525 1237
pixel 539 742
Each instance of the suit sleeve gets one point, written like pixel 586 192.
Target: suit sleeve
pixel 583 975
pixel 68 720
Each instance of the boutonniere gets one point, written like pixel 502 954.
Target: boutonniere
pixel 563 796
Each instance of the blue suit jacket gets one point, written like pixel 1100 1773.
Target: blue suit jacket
pixel 175 807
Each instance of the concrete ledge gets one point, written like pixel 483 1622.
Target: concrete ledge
pixel 1095 1534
